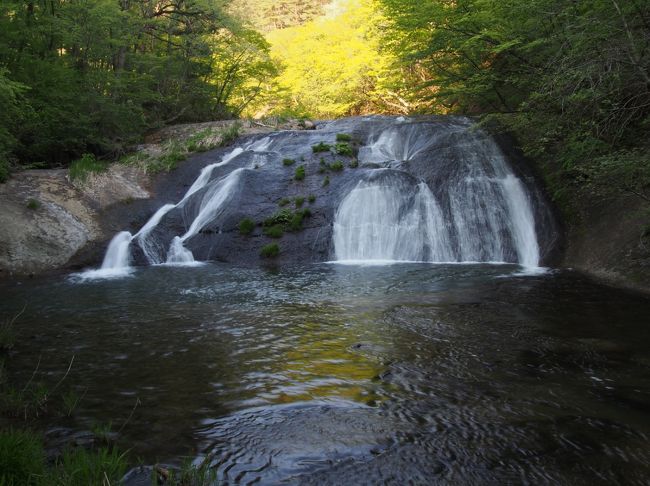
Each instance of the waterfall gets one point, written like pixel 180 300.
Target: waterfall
pixel 117 255
pixel 428 190
pixel 475 209
pixel 212 204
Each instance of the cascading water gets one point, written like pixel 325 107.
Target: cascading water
pixel 425 189
pixel 477 210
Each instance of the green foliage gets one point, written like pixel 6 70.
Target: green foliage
pixel 190 474
pixel 311 199
pixel 80 467
pixel 284 201
pixel 299 201
pixel 270 251
pixel 230 134
pixel 354 163
pixel 334 65
pixel 336 166
pixel 281 217
pixel 343 137
pixel 22 463
pixel 343 149
pixel 287 162
pixel 296 221
pixel 246 226
pixel 33 204
pixel 275 231
pixel 300 173
pixel 80 169
pixel 93 77
pixel 326 181
pixel 321 147
pixel 569 78
pixel 4 171
pixel 22 459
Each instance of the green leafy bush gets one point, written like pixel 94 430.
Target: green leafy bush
pixel 321 147
pixel 343 149
pixel 343 137
pixel 300 173
pixel 281 217
pixel 246 226
pixel 336 166
pixel 270 251
pixel 299 201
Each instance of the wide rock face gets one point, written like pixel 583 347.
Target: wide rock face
pixel 426 189
pixel 46 219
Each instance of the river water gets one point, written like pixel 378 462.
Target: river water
pixel 343 374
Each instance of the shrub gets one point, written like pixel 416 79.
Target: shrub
pixel 288 162
pixel 300 173
pixel 343 149
pixel 296 221
pixel 270 251
pixel 321 147
pixel 299 201
pixel 284 201
pixel 33 204
pixel 246 226
pixel 87 164
pixel 326 181
pixel 337 166
pixel 343 137
pixel 306 213
pixel 281 217
pixel 275 231
pixel 311 199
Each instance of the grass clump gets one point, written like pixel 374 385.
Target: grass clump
pixel 22 458
pixel 343 148
pixel 321 147
pixel 229 134
pixel 80 169
pixel 288 162
pixel 284 201
pixel 296 221
pixel 326 181
pixel 300 173
pixel 354 163
pixel 270 251
pixel 336 166
pixel 197 142
pixel 311 199
pixel 275 231
pixel 22 463
pixel 246 226
pixel 33 204
pixel 343 137
pixel 299 201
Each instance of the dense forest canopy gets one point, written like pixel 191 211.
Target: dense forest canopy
pixel 571 79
